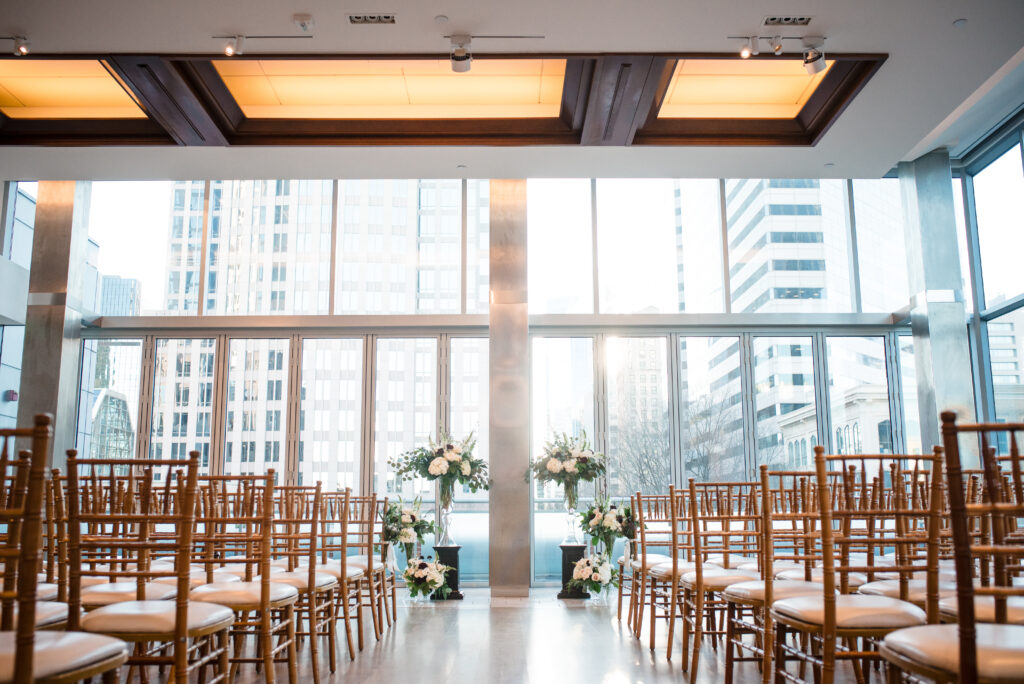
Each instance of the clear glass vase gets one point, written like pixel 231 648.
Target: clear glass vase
pixel 446 496
pixel 572 521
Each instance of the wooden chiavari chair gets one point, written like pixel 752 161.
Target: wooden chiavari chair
pixel 365 532
pixel 189 637
pixel 860 519
pixel 27 654
pixel 235 526
pixel 335 559
pixel 789 539
pixel 987 643
pixel 654 532
pixel 296 537
pixel 724 520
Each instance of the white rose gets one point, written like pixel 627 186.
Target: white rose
pixel 570 465
pixel 406 518
pixel 408 511
pixel 588 453
pixel 466 468
pixel 438 466
pixel 604 573
pixel 451 456
pixel 610 521
pixel 457 449
pixel 407 536
pixel 574 454
pixel 554 465
pixel 596 520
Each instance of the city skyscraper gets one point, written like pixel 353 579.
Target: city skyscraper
pixel 120 296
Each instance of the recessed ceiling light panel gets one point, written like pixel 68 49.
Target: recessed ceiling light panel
pixel 785 20
pixel 371 18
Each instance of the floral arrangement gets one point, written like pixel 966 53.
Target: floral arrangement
pixel 405 525
pixel 568 461
pixel 604 522
pixel 424 577
pixel 593 574
pixel 448 461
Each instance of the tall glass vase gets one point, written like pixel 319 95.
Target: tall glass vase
pixel 446 496
pixel 572 521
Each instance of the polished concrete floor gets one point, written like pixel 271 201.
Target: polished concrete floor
pixel 511 641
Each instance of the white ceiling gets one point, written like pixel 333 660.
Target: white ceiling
pixel 941 85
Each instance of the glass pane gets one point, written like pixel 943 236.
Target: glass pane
pixel 1006 349
pixel 406 410
pixel 399 246
pixel 859 396
pixel 559 246
pixel 561 400
pixel 911 409
pixel 269 247
pixel 108 409
pixel 183 398
pixel 711 409
pixel 478 246
pixel 881 244
pixel 670 230
pixel 145 240
pixel 784 397
pixel 998 189
pixel 21 225
pixel 12 345
pixel 961 242
pixel 331 413
pixel 257 407
pixel 788 245
pixel 639 454
pixel 469 412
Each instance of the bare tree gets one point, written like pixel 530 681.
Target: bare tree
pixel 641 456
pixel 708 438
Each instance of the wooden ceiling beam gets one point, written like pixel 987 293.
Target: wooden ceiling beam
pixel 622 92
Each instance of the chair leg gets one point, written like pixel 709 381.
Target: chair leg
pixel 292 656
pixel 767 643
pixel 654 611
pixel 638 619
pixel 309 608
pixel 224 657
pixel 673 598
pixel 345 596
pixel 332 630
pixel 622 582
pixel 359 615
pixel 698 632
pixel 730 634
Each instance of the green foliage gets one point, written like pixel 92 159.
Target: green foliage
pixel 448 461
pixel 568 461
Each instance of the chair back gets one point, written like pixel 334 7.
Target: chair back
pixel 654 524
pixel 988 555
pixel 22 477
pixel 234 527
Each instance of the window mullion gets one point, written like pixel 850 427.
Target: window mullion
pixel 218 430
pixel 367 437
pixel 819 344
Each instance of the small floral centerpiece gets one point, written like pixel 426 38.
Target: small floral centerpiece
pixel 604 522
pixel 405 525
pixel 424 577
pixel 448 461
pixel 593 574
pixel 568 461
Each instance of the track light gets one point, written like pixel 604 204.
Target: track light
pixel 814 56
pixel 21 46
pixel 777 45
pixel 234 46
pixel 751 47
pixel 461 54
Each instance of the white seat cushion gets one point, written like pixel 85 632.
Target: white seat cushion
pixel 734 562
pixel 358 561
pixel 333 568
pixel 115 592
pixel 652 558
pixel 197 577
pixel 855 579
pixel 1000 648
pixel 777 566
pixel 241 593
pixel 663 571
pixel 853 611
pixel 47 613
pixel 46 591
pixel 985 608
pixel 58 652
pixel 753 590
pixel 300 579
pixel 717 580
pixel 153 617
pixel 944 576
pixel 917 590
pixel 239 569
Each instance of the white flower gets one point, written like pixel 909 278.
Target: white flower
pixel 604 573
pixel 588 453
pixel 407 536
pixel 596 520
pixel 438 466
pixel 408 511
pixel 570 465
pixel 406 518
pixel 574 454
pixel 451 455
pixel 586 572
pixel 466 468
pixel 611 522
pixel 457 449
pixel 554 465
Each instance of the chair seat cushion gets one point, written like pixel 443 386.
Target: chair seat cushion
pixel 115 592
pixel 333 568
pixel 59 652
pixel 239 569
pixel 777 566
pixel 46 591
pixel 985 608
pixel 154 617
pixel 944 576
pixel 1000 648
pixel 233 594
pixel 197 577
pixel 652 558
pixel 753 590
pixel 853 611
pixel 300 579
pixel 717 580
pixel 358 562
pixel 734 562
pixel 917 589
pixel 855 579
pixel 663 571
pixel 47 613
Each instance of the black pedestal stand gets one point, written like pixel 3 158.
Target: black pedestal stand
pixel 449 555
pixel 570 554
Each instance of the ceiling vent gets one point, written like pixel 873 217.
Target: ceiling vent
pixel 779 20
pixel 371 18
